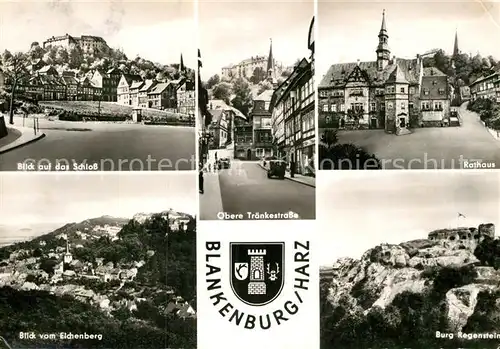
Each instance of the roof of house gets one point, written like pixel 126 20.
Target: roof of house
pixel 434 80
pixel 148 84
pixel 136 84
pixel 52 80
pixel 432 71
pixel 46 69
pixel 112 70
pixel 216 115
pixel 338 74
pixel 159 88
pixel 130 78
pixel 220 104
pixel 486 77
pixel 70 80
pixel 102 73
pixel 265 96
pixel 184 310
pixel 397 76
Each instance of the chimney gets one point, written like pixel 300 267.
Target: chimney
pixel 358 62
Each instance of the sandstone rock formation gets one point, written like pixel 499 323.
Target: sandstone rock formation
pixel 421 267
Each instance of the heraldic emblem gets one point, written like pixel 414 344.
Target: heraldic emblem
pixel 257 271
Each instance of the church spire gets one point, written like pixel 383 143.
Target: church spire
pixel 270 61
pixel 182 68
pixel 383 51
pixel 455 45
pixel 383 28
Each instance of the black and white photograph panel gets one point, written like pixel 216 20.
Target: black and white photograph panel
pixel 97 86
pixel 409 85
pixel 257 130
pixel 98 261
pixel 257 290
pixel 409 262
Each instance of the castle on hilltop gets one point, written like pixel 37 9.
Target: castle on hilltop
pixel 245 69
pixel 86 43
pixel 464 234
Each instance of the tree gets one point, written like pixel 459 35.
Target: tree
pixel 329 138
pixel 243 96
pixel 160 76
pixel 258 75
pixel 222 91
pixel 36 52
pixel 264 86
pixel 495 124
pixel 15 69
pixel 75 58
pixel 212 81
pixel 334 156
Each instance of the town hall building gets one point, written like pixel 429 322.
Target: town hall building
pixel 389 93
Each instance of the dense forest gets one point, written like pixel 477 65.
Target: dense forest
pixel 172 266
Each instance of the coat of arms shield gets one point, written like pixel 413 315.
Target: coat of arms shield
pixel 257 271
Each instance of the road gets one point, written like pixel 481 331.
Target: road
pixel 246 188
pixel 105 147
pixel 431 148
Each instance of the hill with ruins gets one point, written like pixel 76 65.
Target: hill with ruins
pixel 133 280
pixel 399 295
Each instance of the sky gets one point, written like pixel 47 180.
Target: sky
pixel 348 31
pixel 37 198
pixel 358 210
pixel 148 29
pixel 231 32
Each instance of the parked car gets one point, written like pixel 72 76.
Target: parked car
pixel 267 159
pixel 224 163
pixel 276 168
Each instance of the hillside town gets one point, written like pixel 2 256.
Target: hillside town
pixel 80 83
pixel 39 80
pixel 59 271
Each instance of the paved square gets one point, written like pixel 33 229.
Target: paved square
pixel 431 148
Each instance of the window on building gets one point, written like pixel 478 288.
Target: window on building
pixel 410 105
pixel 438 106
pixel 373 106
pixel 328 119
pixel 426 106
pixel 325 107
pixel 333 108
pixel 402 90
pixel 426 91
pixel 434 82
pixel 441 91
pixel 403 105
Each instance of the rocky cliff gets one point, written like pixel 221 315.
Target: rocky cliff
pixel 398 296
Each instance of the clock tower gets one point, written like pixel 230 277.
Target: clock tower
pixel 383 51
